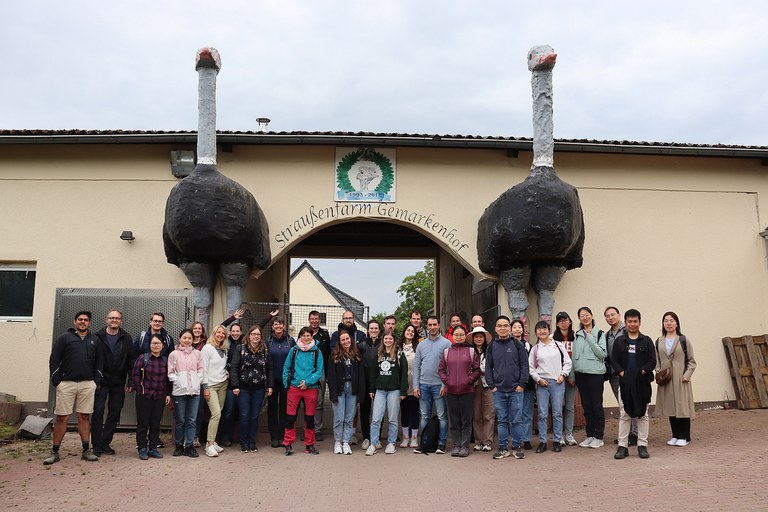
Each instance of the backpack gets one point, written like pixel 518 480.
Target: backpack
pixel 536 354
pixel 430 436
pixel 293 364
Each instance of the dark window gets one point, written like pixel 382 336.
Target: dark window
pixel 17 292
pixel 323 318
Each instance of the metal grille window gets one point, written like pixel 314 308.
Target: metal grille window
pixel 17 291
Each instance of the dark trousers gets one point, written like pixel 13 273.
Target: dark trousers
pixel 276 405
pixel 409 413
pixel 591 391
pixel 681 428
pixel 228 417
pixel 365 415
pixel 460 409
pixel 103 430
pixel 149 413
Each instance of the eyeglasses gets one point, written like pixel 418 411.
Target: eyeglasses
pixel 114 318
pixel 83 320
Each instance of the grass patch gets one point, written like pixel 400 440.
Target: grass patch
pixel 8 431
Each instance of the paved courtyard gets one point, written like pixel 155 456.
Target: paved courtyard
pixel 724 468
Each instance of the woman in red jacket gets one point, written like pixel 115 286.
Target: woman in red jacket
pixel 459 370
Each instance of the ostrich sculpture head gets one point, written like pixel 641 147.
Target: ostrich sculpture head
pixel 541 58
pixel 208 57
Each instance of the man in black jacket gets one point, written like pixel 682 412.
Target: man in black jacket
pixel 75 368
pixel 633 359
pixel 114 348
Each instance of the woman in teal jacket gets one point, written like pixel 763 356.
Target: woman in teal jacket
pixel 589 352
pixel 301 375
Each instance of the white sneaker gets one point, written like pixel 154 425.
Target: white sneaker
pixel 366 444
pixel 371 450
pixel 353 439
pixel 217 447
pixel 479 447
pixel 337 448
pixel 346 449
pixel 569 440
pixel 210 451
pixel 390 449
pixel 585 443
pixel 596 443
pixel 672 442
pixel 414 442
pixel 681 442
pixel 404 443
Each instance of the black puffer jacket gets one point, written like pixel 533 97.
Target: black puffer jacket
pixel 115 364
pixel 75 358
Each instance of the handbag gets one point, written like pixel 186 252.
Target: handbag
pixel 664 376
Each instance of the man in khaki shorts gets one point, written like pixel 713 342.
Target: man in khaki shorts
pixel 75 372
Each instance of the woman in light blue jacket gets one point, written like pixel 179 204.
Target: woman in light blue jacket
pixel 589 352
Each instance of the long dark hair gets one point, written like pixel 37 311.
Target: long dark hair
pixel 339 352
pixel 673 315
pixel 415 341
pixel 518 321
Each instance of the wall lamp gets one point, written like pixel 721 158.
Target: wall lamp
pixel 127 236
pixel 764 234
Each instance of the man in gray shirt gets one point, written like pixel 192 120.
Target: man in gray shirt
pixel 427 386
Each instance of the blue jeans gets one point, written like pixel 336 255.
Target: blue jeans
pixel 554 393
pixel 527 419
pixel 250 401
pixel 430 393
pixel 185 413
pixel 390 400
pixel 343 414
pixel 509 412
pixel 228 417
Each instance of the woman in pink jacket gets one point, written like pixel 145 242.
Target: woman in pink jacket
pixel 186 373
pixel 459 370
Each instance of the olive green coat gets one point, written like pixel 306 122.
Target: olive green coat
pixel 676 397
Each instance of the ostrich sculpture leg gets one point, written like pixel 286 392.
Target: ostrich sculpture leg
pixel 515 282
pixel 545 280
pixel 202 277
pixel 234 276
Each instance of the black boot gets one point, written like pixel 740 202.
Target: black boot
pixel 178 451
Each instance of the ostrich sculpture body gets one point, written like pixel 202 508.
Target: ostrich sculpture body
pixel 534 231
pixel 213 223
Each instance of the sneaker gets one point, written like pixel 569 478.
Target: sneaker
pixel 440 449
pixel 346 449
pixel 210 451
pixel 243 449
pixel 621 452
pixel 390 449
pixel 107 450
pixel 353 439
pixel 632 440
pixel 503 452
pixel 252 449
pixel 479 447
pixel 542 447
pixel 89 456
pixel 414 442
pixel 143 454
pixel 487 448
pixel 527 445
pixel 557 447
pixel 178 450
pixel 288 449
pixel 569 440
pixel 418 450
pixel 190 451
pixel 154 454
pixel 672 442
pixel 366 444
pixel 160 445
pixel 319 435
pixel 681 442
pixel 52 459
pixel 217 447
pixel 455 451
pixel 310 449
pixel 404 443
pixel 371 450
pixel 196 443
pixel 518 452
pixel 275 443
pixel 596 443
pixel 642 452
pixel 585 443
pixel 464 451
pixel 337 448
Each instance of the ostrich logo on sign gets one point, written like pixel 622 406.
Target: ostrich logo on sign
pixel 365 174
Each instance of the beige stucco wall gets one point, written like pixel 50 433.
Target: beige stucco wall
pixel 662 232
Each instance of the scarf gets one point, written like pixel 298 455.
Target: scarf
pixel 304 347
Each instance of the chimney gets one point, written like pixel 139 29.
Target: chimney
pixel 263 123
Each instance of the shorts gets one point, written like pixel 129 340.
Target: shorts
pixel 74 395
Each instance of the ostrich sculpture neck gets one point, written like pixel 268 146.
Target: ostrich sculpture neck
pixel 541 60
pixel 208 64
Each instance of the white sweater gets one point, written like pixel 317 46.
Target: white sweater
pixel 215 365
pixel 549 357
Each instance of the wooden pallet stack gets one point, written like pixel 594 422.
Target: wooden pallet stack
pixel 747 358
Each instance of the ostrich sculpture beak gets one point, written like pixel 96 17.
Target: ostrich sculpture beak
pixel 541 58
pixel 208 57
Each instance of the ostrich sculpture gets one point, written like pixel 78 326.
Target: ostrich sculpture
pixel 213 223
pixel 534 231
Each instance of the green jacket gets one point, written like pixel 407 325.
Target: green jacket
pixel 589 352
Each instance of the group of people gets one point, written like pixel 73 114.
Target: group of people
pixel 477 383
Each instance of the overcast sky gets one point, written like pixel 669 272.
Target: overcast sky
pixel 670 71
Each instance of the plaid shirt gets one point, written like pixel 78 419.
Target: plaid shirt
pixel 151 382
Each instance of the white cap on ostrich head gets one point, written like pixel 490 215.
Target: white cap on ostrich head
pixel 207 64
pixel 541 60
